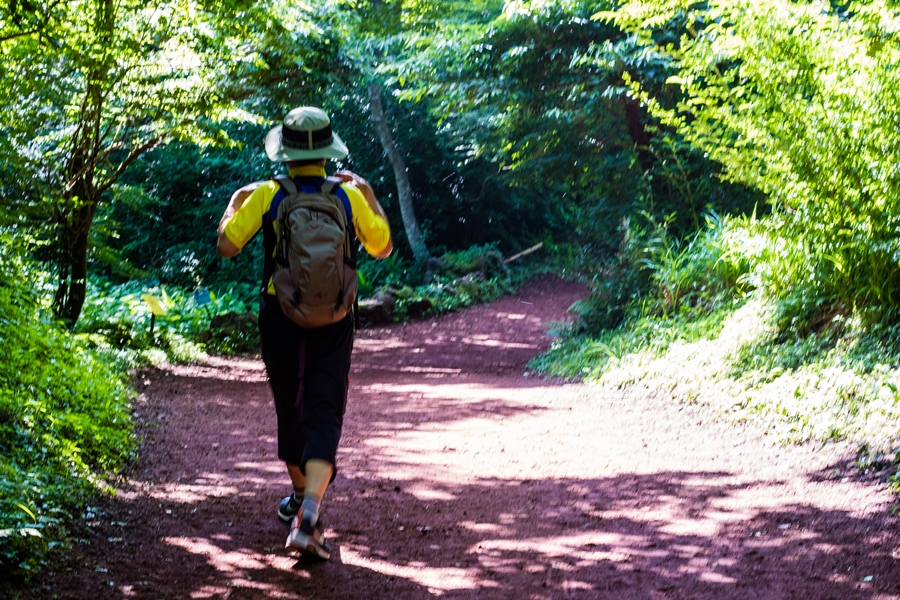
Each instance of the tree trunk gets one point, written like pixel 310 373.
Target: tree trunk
pixel 76 215
pixel 404 194
pixel 79 203
pixel 72 262
pixel 638 133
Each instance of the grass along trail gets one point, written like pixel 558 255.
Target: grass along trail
pixel 463 476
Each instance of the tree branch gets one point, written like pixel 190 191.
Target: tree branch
pixel 132 156
pixel 39 26
pixel 13 36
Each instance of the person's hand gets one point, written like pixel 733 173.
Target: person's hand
pixel 369 194
pixel 351 177
pixel 363 186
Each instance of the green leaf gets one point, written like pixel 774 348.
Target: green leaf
pixel 605 15
pixel 27 511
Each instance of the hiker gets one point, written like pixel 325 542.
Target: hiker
pixel 308 366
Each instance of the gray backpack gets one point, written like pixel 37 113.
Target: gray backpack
pixel 314 274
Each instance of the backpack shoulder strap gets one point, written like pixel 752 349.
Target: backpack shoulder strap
pixel 270 240
pixel 330 184
pixel 287 184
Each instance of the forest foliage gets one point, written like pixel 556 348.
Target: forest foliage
pixel 792 310
pixel 686 159
pixel 65 421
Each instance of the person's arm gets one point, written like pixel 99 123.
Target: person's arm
pixel 225 246
pixel 363 186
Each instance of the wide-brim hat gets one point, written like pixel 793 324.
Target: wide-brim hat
pixel 305 133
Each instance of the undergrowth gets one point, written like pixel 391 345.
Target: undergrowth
pixel 118 322
pixel 656 291
pixel 837 384
pixel 583 356
pixel 698 320
pixel 460 279
pixel 65 423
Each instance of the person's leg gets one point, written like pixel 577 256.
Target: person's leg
pixel 325 382
pixel 281 353
pixel 307 532
pixel 318 476
pixel 298 479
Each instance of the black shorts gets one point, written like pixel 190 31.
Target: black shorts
pixel 308 370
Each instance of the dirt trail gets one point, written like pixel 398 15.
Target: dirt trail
pixel 462 477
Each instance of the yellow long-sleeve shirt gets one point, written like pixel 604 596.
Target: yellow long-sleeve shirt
pixel 370 228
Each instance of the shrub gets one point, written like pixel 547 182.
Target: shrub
pixel 464 278
pixel 486 260
pixel 656 274
pixel 375 274
pixel 709 266
pixel 620 284
pixel 800 101
pixel 117 321
pixel 65 421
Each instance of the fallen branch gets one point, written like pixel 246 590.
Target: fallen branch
pixel 523 253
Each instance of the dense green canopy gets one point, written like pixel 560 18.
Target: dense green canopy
pixel 509 122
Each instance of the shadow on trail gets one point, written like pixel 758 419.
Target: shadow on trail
pixel 404 529
pixel 579 542
pixel 453 484
pixel 571 538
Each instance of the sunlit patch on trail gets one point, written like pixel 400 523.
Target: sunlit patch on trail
pixel 437 580
pixel 467 392
pixel 713 577
pixel 211 591
pixel 232 369
pixel 428 492
pixel 252 589
pixel 362 344
pixel 514 316
pixel 706 527
pixel 222 591
pixel 454 426
pixel 570 585
pixel 239 566
pixel 221 560
pixel 491 528
pixel 590 546
pixel 429 370
pixel 486 340
pixel 270 466
pixel 183 493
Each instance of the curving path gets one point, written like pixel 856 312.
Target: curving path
pixel 463 477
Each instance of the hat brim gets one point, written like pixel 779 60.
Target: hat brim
pixel 278 153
